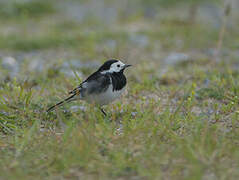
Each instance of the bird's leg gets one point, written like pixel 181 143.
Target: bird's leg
pixel 102 110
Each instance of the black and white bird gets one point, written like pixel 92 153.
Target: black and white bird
pixel 102 87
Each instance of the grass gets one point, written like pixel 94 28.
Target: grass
pixel 22 9
pixel 176 120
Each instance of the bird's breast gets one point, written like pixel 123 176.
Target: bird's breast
pixel 110 95
pixel 105 97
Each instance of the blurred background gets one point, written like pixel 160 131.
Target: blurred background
pixel 179 118
pixel 39 36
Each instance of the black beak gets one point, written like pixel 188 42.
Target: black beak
pixel 127 65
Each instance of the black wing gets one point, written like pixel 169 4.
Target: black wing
pixel 92 76
pixel 95 83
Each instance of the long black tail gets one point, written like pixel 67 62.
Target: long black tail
pixel 61 103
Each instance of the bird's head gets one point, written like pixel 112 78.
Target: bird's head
pixel 113 66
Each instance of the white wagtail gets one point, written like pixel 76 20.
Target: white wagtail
pixel 102 87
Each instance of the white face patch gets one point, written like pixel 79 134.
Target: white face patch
pixel 115 67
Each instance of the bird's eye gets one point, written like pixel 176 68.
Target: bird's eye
pixel 118 65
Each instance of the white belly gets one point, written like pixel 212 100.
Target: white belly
pixel 106 97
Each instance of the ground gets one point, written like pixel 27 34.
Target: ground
pixel 178 119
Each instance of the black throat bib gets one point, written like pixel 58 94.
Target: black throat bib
pixel 118 81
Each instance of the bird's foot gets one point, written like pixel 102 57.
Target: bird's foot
pixel 102 110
